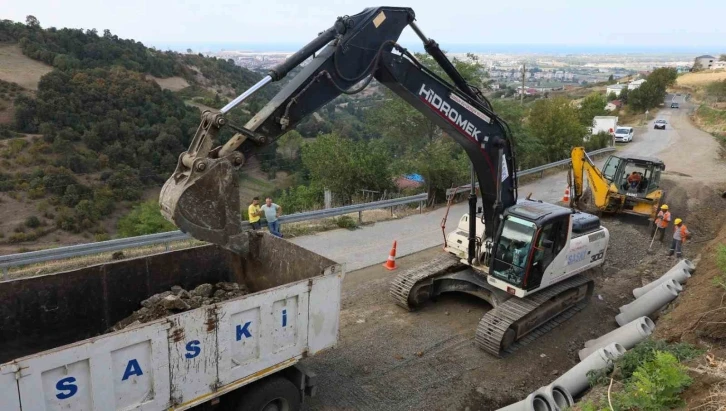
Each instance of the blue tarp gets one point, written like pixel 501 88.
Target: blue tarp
pixel 415 177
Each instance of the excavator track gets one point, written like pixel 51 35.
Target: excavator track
pixel 496 332
pixel 404 283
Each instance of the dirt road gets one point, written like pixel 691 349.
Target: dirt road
pixel 391 359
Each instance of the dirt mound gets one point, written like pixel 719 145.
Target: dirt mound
pixel 179 300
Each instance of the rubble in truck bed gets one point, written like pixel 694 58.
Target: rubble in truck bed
pixel 179 300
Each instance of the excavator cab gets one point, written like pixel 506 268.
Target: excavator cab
pixel 634 176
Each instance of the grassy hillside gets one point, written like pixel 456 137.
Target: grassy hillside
pixel 92 124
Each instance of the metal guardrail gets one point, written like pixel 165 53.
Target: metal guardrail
pixel 60 253
pixel 534 170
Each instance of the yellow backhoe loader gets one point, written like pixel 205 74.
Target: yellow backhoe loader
pixel 627 184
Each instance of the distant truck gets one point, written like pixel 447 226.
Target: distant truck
pixel 242 353
pixel 607 124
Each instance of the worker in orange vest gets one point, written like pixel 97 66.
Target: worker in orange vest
pixel 680 235
pixel 661 222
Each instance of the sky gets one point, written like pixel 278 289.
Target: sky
pixel 575 24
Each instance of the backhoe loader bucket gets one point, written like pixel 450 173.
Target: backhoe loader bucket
pixel 203 201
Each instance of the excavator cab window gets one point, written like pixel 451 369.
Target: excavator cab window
pixel 551 240
pixel 611 168
pixel 513 249
pixel 655 179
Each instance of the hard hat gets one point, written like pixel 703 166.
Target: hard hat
pixel 678 221
pixel 664 207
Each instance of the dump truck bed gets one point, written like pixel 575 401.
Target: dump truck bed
pixel 57 353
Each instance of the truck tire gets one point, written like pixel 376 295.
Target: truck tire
pixel 271 394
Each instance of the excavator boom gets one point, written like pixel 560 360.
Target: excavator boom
pixel 599 185
pixel 201 197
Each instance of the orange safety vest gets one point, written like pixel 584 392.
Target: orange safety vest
pixel 663 219
pixel 684 233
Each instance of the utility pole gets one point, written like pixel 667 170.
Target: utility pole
pixel 521 97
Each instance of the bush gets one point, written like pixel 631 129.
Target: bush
pixel 32 222
pixel 346 222
pixel 144 218
pixel 651 374
pixel 656 385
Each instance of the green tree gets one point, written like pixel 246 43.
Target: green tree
pixel 345 166
pixel 412 137
pixel 527 148
pixel 32 21
pixel 556 124
pixel 722 57
pixel 648 95
pixel 624 95
pixel 663 77
pixel 144 218
pixel 591 106
pixel 289 144
pixel 612 96
pixel 611 79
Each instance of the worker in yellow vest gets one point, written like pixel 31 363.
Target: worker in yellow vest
pixel 680 235
pixel 661 222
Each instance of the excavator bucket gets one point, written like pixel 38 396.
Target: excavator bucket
pixel 203 201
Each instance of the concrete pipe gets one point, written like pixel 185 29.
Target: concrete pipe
pixel 575 379
pixel 533 402
pixel 557 396
pixel 628 336
pixel 679 272
pixel 674 284
pixel 688 264
pixel 649 302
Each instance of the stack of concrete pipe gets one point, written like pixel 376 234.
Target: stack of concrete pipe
pixel 679 272
pixel 649 302
pixel 553 397
pixel 601 352
pixel 628 336
pixel 575 379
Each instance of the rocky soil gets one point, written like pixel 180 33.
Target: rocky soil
pixel 178 300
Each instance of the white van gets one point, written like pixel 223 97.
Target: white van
pixel 624 134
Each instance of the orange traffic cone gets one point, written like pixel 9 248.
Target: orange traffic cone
pixel 566 198
pixel 391 262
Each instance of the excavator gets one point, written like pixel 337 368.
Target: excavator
pixel 610 190
pixel 526 258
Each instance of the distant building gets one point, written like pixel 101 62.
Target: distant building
pixel 615 88
pixel 705 61
pixel 408 181
pixel 718 65
pixel 635 84
pixel 613 105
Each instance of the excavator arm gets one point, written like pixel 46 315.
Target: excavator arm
pixel 599 186
pixel 201 197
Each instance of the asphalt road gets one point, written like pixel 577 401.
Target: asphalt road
pixel 371 244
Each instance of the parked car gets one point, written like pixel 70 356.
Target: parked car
pixel 624 134
pixel 674 105
pixel 660 124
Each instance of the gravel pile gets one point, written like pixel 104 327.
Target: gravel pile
pixel 179 300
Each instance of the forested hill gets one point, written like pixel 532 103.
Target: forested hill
pixel 67 49
pixel 86 140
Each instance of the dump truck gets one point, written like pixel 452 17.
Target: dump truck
pixel 242 353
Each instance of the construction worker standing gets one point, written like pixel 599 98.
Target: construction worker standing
pixel 680 235
pixel 661 222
